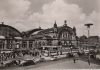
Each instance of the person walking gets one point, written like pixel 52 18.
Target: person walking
pixel 89 59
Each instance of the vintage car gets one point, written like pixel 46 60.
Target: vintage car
pixel 26 62
pixel 10 63
pixel 49 58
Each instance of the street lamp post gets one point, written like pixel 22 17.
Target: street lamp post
pixel 88 27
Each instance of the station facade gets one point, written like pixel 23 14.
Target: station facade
pixel 57 37
pixel 11 38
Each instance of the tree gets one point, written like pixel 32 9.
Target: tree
pixel 83 38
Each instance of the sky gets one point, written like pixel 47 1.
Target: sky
pixel 29 14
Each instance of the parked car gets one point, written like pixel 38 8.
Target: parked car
pixel 70 54
pixel 48 58
pixel 98 56
pixel 86 52
pixel 36 60
pixel 27 62
pixel 42 60
pixel 11 63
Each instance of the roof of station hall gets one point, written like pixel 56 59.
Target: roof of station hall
pixel 59 29
pixel 38 31
pixel 9 31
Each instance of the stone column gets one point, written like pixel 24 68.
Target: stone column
pixel 27 44
pixel 5 44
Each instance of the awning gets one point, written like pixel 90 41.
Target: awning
pixel 2 37
pixel 17 37
pixel 6 51
pixel 51 46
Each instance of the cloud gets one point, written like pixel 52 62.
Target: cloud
pixel 13 12
pixel 94 18
pixel 58 10
pixel 17 13
pixel 14 8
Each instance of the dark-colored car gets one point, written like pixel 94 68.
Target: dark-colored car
pixel 27 62
pixel 70 54
pixel 11 63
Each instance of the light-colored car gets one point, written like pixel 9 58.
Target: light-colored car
pixel 62 56
pixel 36 60
pixel 98 56
pixel 10 63
pixel 86 51
pixel 22 61
pixel 48 58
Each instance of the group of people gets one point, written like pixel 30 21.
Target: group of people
pixel 5 56
pixel 15 54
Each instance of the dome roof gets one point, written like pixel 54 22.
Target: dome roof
pixel 9 31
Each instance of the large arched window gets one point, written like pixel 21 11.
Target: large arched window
pixel 30 44
pixel 43 43
pixel 24 44
pixel 1 44
pixel 9 44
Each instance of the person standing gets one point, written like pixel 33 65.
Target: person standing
pixel 74 59
pixel 19 61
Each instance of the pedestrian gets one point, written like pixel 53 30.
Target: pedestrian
pixel 19 61
pixel 89 59
pixel 74 59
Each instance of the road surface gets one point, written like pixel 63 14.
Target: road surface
pixel 58 65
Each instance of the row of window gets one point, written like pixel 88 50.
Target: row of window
pixel 11 44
